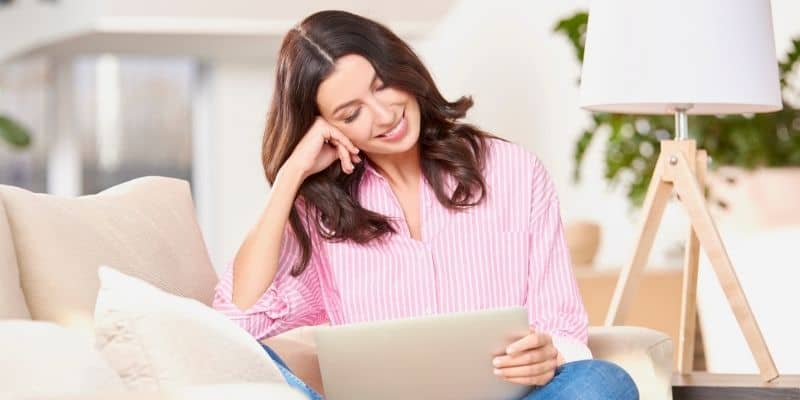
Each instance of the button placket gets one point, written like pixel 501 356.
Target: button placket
pixel 434 308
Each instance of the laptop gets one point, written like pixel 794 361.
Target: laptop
pixel 439 357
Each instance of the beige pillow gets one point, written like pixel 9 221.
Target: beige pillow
pixel 146 226
pixel 12 302
pixel 40 359
pixel 156 340
pixel 227 391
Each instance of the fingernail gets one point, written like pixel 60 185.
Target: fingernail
pixel 496 362
pixel 497 372
pixel 358 159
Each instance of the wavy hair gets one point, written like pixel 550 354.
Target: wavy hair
pixel 330 197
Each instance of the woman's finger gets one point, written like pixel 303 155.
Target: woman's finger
pixel 524 358
pixel 339 136
pixel 531 341
pixel 526 370
pixel 326 135
pixel 344 156
pixel 539 380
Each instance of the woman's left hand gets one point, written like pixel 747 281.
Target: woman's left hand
pixel 531 360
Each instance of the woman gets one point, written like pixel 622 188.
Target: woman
pixel 397 209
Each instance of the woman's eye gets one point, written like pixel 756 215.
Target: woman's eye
pixel 352 116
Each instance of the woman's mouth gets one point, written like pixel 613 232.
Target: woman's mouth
pixel 397 132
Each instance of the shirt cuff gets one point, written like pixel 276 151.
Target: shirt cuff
pixel 571 349
pixel 273 303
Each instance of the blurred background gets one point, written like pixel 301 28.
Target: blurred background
pixel 97 92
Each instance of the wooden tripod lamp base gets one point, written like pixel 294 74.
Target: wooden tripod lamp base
pixel 682 168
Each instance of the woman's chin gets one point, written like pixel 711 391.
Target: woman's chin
pixel 408 143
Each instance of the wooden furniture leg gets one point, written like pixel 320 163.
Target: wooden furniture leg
pixel 674 171
pixel 686 334
pixel 655 201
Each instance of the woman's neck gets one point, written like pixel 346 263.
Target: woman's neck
pixel 401 170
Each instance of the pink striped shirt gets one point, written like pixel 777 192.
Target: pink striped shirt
pixel 507 251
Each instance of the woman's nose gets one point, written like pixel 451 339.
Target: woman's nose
pixel 383 114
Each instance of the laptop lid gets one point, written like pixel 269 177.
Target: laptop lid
pixel 440 357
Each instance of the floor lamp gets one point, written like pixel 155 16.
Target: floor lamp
pixel 683 57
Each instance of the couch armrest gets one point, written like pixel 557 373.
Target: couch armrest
pixel 644 353
pixel 237 391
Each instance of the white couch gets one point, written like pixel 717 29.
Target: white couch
pixel 50 248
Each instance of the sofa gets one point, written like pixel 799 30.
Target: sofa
pixel 51 247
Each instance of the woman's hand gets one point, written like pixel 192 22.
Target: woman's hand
pixel 320 146
pixel 531 360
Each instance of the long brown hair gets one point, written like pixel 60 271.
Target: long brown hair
pixel 306 58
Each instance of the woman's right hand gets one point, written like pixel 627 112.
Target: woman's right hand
pixel 313 154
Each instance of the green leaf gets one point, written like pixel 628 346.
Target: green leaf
pixel 15 134
pixel 580 151
pixel 574 28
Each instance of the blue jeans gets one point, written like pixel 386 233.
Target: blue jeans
pixel 587 380
pixel 579 380
pixel 290 377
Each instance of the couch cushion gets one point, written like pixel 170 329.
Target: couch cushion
pixel 12 302
pixel 145 226
pixel 156 340
pixel 42 359
pixel 237 391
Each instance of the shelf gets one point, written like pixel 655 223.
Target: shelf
pixel 247 30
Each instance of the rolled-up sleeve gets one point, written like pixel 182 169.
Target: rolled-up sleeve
pixel 289 302
pixel 554 301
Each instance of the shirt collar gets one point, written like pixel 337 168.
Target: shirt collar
pixel 371 169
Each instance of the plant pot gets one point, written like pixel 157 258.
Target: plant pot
pixel 757 199
pixel 583 241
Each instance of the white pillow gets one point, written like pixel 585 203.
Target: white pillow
pixel 156 340
pixel 39 359
pixel 224 391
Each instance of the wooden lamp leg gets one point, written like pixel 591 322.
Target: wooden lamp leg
pixel 693 200
pixel 658 193
pixel 687 332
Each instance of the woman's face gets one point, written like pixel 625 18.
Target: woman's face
pixel 354 100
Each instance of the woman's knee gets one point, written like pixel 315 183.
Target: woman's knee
pixel 602 380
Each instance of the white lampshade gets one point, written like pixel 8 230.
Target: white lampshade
pixel 647 56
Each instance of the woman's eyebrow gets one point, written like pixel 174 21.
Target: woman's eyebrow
pixel 335 110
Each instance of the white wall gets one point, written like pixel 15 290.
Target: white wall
pixel 240 94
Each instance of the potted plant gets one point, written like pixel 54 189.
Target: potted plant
pixel 754 157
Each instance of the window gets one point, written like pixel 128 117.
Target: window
pixel 110 119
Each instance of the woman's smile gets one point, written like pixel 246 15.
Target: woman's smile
pixel 397 132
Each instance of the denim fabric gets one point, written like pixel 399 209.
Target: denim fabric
pixel 291 378
pixel 587 380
